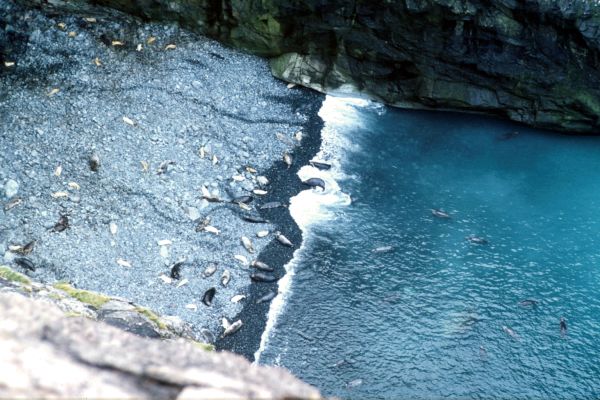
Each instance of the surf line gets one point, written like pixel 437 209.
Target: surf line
pixel 314 204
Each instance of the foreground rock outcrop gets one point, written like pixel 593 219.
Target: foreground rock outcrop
pixel 532 61
pixel 44 353
pixel 116 311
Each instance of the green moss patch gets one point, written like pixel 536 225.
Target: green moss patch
pixel 12 276
pixel 204 346
pixel 95 300
pixel 151 316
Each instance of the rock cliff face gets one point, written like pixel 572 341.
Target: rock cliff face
pixel 534 61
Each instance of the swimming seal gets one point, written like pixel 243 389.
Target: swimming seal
pixel 563 326
pixel 440 214
pixel 315 182
pixel 528 303
pixel 476 240
pixel 510 332
pixel 384 249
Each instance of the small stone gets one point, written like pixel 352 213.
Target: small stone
pixel 11 188
pixel 203 204
pixel 164 252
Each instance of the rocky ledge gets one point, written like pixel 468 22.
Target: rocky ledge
pixel 45 353
pixel 532 61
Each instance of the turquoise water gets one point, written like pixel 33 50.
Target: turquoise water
pixel 426 320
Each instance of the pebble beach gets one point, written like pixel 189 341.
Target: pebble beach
pixel 125 149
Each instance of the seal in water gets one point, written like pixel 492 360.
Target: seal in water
pixel 208 297
pixel 267 297
pixel 262 277
pixel 476 240
pixel 440 214
pixel 383 249
pixel 563 326
pixel 315 182
pixel 528 303
pixel 510 332
pixel 509 135
pixel 320 165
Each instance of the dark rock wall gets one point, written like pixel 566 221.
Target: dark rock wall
pixel 534 61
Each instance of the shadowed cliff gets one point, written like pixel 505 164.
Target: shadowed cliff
pixel 535 62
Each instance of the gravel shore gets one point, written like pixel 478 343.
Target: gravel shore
pixel 171 116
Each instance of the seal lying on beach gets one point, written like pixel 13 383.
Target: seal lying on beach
pixel 320 165
pixel 25 263
pixel 283 240
pixel 262 277
pixel 208 297
pixel 254 219
pixel 267 297
pixel 315 182
pixel 262 266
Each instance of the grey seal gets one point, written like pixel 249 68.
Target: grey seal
pixel 315 182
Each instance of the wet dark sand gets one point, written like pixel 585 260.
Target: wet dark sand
pixel 284 185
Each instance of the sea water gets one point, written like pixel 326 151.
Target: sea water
pixel 437 315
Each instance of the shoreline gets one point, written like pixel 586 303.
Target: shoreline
pixel 284 184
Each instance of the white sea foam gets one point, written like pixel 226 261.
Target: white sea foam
pixel 313 205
